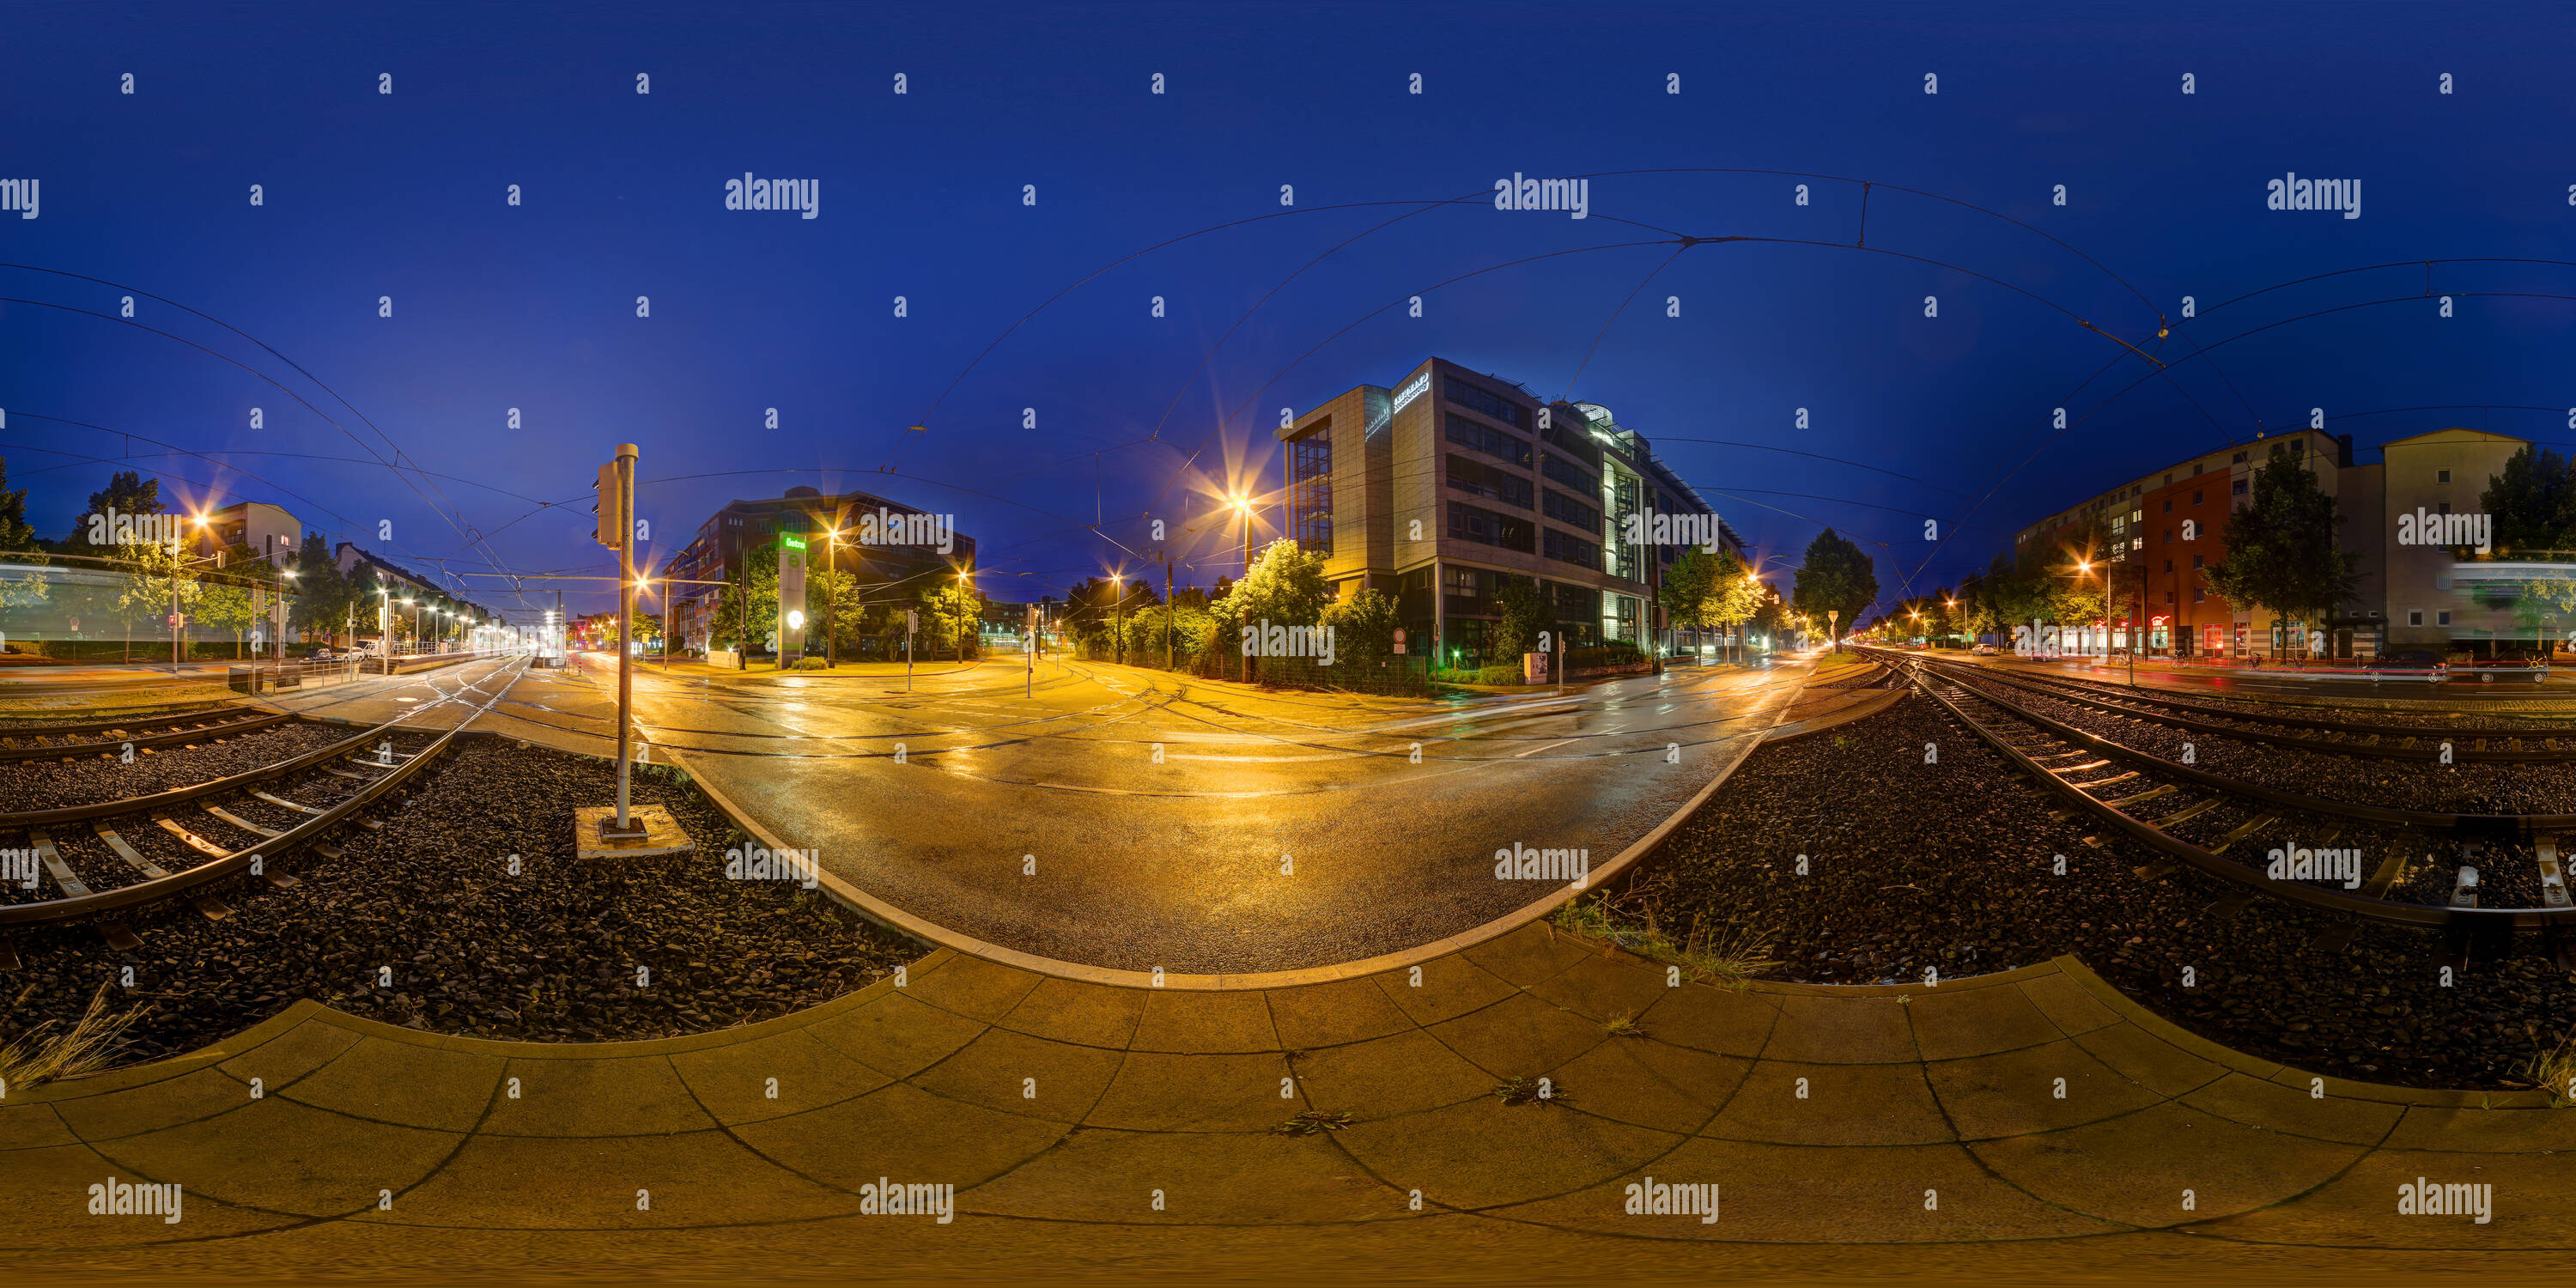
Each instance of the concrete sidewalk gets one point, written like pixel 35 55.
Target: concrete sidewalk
pixel 2035 1119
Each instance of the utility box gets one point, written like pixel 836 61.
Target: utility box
pixel 1534 668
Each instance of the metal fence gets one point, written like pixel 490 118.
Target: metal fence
pixel 270 677
pixel 1405 677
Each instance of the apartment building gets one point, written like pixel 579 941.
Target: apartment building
pixel 2408 596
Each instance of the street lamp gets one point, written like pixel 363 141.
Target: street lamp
pixel 1243 502
pixel 1118 617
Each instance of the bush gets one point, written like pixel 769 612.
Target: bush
pixel 1507 674
pixel 812 664
pixel 1614 653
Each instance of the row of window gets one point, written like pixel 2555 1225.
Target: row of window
pixel 1566 510
pixel 1477 479
pixel 1475 398
pixel 1567 548
pixel 1492 442
pixel 1486 528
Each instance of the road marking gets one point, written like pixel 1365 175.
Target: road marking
pixel 1536 750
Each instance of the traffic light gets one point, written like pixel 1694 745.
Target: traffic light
pixel 609 503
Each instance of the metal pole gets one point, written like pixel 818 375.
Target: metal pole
pixel 909 621
pixel 1167 610
pixel 1247 573
pixel 626 457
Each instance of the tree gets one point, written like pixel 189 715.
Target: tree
pixel 1524 614
pixel 127 492
pixel 226 606
pixel 157 580
pixel 2531 502
pixel 1734 593
pixel 1686 587
pixel 2281 553
pixel 951 611
pixel 749 610
pixel 16 534
pixel 1363 626
pixel 323 599
pixel 1836 576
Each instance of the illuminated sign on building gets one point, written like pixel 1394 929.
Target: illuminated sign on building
pixel 1413 391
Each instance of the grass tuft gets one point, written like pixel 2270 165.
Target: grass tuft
pixel 2554 1071
pixel 1623 1025
pixel 1531 1091
pixel 1314 1121
pixel 1728 956
pixel 90 1045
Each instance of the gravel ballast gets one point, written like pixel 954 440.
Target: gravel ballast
pixel 1952 865
pixel 424 924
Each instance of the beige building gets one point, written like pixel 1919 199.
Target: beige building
pixel 2432 597
pixel 267 531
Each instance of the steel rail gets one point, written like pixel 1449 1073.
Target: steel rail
pixel 2318 898
pixel 176 737
pixel 2055 686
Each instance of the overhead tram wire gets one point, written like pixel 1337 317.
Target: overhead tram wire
pixel 397 470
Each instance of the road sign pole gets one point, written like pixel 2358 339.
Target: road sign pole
pixel 911 622
pixel 626 458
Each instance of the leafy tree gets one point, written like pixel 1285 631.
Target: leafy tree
pixel 749 609
pixel 2281 553
pixel 323 598
pixel 1734 593
pixel 1835 576
pixel 1686 588
pixel 16 534
pixel 2533 502
pixel 1363 627
pixel 226 606
pixel 950 611
pixel 1524 612
pixel 156 580
pixel 1285 585
pixel 127 492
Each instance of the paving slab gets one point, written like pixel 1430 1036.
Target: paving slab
pixel 1058 1107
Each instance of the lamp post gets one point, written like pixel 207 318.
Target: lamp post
pixel 1118 617
pixel 1243 503
pixel 963 585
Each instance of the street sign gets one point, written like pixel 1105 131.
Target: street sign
pixel 911 620
pixel 1399 639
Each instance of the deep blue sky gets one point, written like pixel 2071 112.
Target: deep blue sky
pixel 370 195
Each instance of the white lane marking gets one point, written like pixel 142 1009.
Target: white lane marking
pixel 1535 750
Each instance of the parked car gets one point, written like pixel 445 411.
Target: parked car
pixel 1983 650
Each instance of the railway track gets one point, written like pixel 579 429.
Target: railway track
pixel 2373 739
pixel 144 851
pixel 2468 875
pixel 171 729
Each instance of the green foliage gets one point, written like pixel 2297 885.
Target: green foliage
pixel 949 614
pixel 2281 551
pixel 1524 613
pixel 1835 576
pixel 1363 627
pixel 2533 502
pixel 749 610
pixel 16 534
pixel 1285 586
pixel 127 492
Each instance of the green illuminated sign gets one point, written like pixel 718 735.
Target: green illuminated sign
pixel 791 541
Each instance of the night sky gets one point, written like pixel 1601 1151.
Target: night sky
pixel 1177 195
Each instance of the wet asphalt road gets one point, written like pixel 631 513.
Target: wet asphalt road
pixel 1130 818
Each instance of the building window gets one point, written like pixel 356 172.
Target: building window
pixel 2442 508
pixel 2240 459
pixel 1575 550
pixel 2195 561
pixel 1478 399
pixel 1492 442
pixel 2442 618
pixel 1478 479
pixel 2199 595
pixel 2441 476
pixel 1484 527
pixel 2168 536
pixel 2240 487
pixel 1310 490
pixel 2168 565
pixel 2195 496
pixel 2414 617
pixel 1560 469
pixel 1566 510
pixel 2168 505
pixel 2196 468
pixel 2169 599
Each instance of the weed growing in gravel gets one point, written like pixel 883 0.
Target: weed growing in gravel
pixel 1729 957
pixel 90 1045
pixel 1313 1121
pixel 1531 1091
pixel 2554 1071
